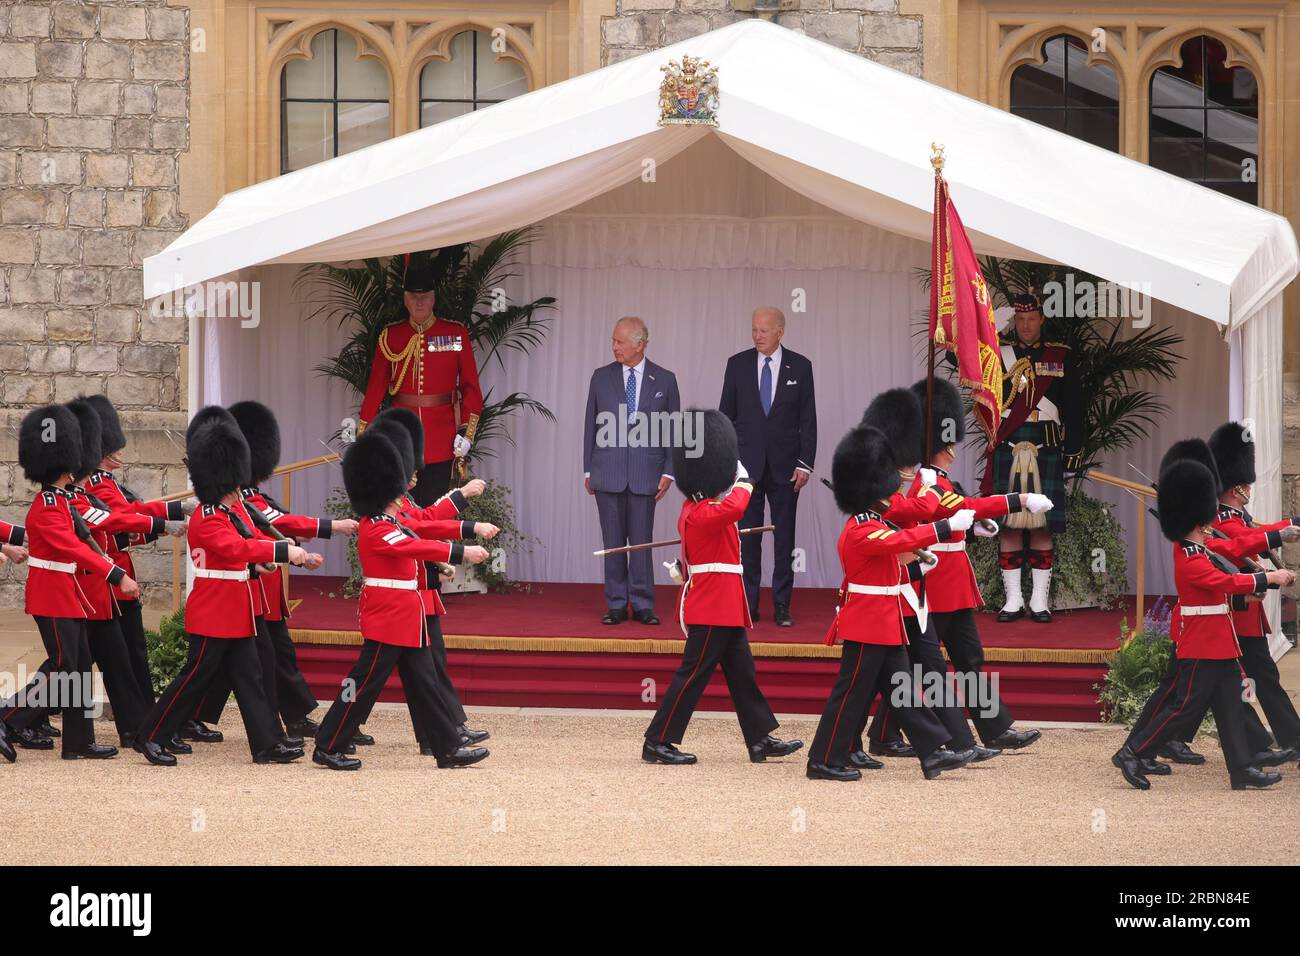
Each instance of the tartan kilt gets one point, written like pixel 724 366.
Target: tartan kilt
pixel 1051 469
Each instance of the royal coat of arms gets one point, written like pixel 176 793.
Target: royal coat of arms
pixel 688 95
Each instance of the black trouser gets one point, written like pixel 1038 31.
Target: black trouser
pixel 446 689
pixel 210 707
pixel 1198 684
pixel 431 483
pixel 1257 736
pixel 137 648
pixel 923 651
pixel 1260 667
pixel 960 635
pixel 707 646
pixel 293 696
pixel 866 670
pixel 363 685
pixel 108 650
pixel 63 684
pixel 783 500
pixel 235 663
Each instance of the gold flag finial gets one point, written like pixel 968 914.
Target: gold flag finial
pixel 936 158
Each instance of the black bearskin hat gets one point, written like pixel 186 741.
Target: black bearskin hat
pixel 49 444
pixel 896 413
pixel 1234 454
pixel 112 436
pixel 92 438
pixel 414 429
pixel 864 471
pixel 205 416
pixel 709 469
pixel 947 413
pixel 373 473
pixel 392 429
pixel 262 432
pixel 217 456
pixel 1187 498
pixel 1193 449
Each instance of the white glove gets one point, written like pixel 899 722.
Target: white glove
pixel 928 477
pixel 962 520
pixel 460 446
pixel 741 473
pixel 1291 532
pixel 175 528
pixel 675 571
pixel 925 568
pixel 189 505
pixel 1037 503
pixel 986 529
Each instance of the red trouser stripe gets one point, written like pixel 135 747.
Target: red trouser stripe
pixel 844 700
pixel 355 698
pixel 197 661
pixel 708 634
pixel 1190 683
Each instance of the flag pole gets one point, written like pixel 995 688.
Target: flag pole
pixel 936 276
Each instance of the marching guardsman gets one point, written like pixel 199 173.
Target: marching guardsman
pixel 1208 670
pixel 293 697
pixel 949 591
pixel 439 521
pixel 426 364
pixel 394 627
pixel 1036 451
pixel 869 619
pixel 1234 454
pixel 61 558
pixel 712 609
pixel 105 486
pixel 222 607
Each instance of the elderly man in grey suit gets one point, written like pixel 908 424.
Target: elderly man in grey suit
pixel 626 473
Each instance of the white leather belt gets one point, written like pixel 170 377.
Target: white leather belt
pixel 876 588
pixel 715 568
pixel 947 546
pixel 221 575
pixel 394 583
pixel 1202 610
pixel 65 567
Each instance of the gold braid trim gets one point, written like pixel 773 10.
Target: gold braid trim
pixel 406 356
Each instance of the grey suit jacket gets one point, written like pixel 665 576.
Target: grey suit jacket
pixel 615 465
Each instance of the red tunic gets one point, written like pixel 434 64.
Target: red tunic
pixel 436 522
pixel 105 525
pixel 391 553
pixel 423 372
pixel 710 536
pixel 52 536
pixel 291 526
pixel 226 606
pixel 1206 636
pixel 1246 540
pixel 11 533
pixel 105 486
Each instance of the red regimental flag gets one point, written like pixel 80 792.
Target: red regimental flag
pixel 961 312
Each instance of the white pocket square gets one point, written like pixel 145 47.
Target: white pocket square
pixel 792 382
pixel 659 394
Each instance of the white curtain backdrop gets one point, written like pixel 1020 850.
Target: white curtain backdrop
pixel 692 253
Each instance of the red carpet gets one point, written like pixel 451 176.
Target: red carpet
pixel 544 646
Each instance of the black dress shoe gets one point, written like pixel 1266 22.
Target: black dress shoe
pixel 1130 765
pixel 47 729
pixel 289 740
pixel 426 750
pixel 781 615
pixel 127 740
pixel 945 759
pixel 893 748
pixel 463 757
pixel 6 748
pixel 154 753
pixel 647 617
pixel 278 754
pixel 1273 758
pixel 29 739
pixel 470 736
pixel 302 728
pixel 1007 616
pixel 335 761
pixel 1179 752
pixel 92 752
pixel 821 771
pixel 1041 617
pixel 614 616
pixel 351 748
pixel 864 761
pixel 1015 739
pixel 770 746
pixel 177 746
pixel 664 753
pixel 1253 777
pixel 197 730
pixel 984 753
pixel 363 739
pixel 1154 767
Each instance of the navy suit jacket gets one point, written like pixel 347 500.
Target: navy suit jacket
pixel 622 468
pixel 787 436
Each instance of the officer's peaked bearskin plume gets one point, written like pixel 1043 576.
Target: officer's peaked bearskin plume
pixel 49 444
pixel 712 470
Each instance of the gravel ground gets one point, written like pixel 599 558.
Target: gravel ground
pixel 571 789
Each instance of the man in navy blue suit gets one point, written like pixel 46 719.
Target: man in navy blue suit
pixel 767 392
pixel 627 473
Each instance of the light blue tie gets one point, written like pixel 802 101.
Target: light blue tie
pixel 631 391
pixel 765 385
